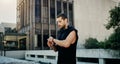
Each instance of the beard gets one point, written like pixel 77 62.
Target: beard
pixel 62 27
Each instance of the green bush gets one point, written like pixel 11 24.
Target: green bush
pixel 113 41
pixel 91 43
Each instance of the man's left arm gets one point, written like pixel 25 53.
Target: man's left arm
pixel 68 41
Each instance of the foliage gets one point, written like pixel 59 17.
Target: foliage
pixel 114 21
pixel 91 43
pixel 113 41
pixel 9 30
pixel 101 44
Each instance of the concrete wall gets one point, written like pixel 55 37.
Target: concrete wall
pixel 90 16
pixel 100 54
pixel 51 56
pixel 15 54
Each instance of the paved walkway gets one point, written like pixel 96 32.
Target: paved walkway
pixel 6 60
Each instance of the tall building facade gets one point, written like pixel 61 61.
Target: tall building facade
pixel 37 19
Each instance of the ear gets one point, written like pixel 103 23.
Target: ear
pixel 66 20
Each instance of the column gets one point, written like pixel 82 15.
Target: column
pixel 42 23
pixel 56 17
pixel 35 40
pixel 49 18
pixel 101 61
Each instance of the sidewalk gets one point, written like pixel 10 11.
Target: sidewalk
pixel 6 60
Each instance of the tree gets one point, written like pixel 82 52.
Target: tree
pixel 10 30
pixel 114 22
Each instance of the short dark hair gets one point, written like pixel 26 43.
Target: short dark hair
pixel 62 15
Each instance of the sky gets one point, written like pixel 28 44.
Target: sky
pixel 8 11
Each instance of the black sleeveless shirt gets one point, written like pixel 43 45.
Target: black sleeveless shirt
pixel 67 55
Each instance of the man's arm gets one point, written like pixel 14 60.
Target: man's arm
pixel 68 41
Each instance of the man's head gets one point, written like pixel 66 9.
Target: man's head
pixel 62 21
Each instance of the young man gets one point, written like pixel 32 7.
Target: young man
pixel 66 42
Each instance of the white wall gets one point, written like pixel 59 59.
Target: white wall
pixel 90 16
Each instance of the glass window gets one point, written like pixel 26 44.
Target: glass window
pixel 52 11
pixel 65 7
pixel 45 11
pixel 37 2
pixel 70 6
pixel 71 13
pixel 52 3
pixel 45 3
pixel 58 7
pixel 37 10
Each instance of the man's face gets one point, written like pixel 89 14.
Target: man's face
pixel 61 22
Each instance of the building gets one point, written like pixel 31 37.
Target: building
pixel 14 41
pixel 5 28
pixel 36 18
pixel 10 39
pixel 90 17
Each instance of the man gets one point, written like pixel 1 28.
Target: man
pixel 66 42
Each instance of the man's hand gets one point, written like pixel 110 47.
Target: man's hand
pixel 50 41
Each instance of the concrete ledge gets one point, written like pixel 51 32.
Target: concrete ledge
pixel 51 56
pixel 6 60
pixel 98 53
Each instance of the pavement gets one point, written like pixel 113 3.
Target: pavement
pixel 6 60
